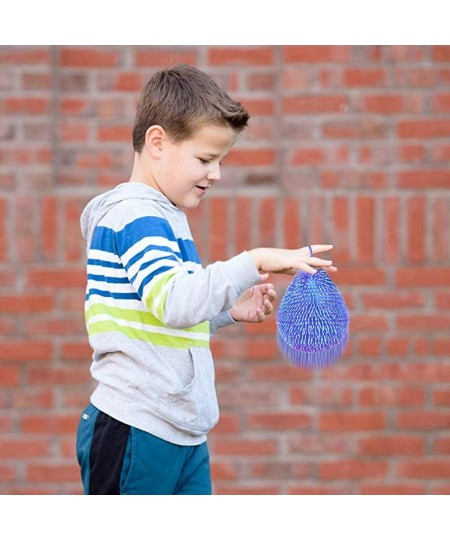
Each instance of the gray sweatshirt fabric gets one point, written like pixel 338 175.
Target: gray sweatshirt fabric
pixel 150 310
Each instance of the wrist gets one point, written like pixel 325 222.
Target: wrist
pixel 255 255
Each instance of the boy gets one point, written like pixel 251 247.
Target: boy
pixel 150 306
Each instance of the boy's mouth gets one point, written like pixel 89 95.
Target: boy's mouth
pixel 202 189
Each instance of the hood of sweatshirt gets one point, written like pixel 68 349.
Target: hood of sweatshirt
pixel 99 206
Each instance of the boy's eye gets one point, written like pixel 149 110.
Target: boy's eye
pixel 205 161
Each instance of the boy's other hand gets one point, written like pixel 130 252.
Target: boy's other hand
pixel 255 303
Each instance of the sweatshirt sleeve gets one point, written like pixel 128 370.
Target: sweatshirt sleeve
pixel 223 319
pixel 180 294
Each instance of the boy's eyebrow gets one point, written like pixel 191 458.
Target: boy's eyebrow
pixel 213 155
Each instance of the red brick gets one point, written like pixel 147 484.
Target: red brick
pixel 395 445
pixel 54 424
pixel 3 231
pixel 392 396
pixel 352 179
pixel 426 468
pixel 60 375
pixel 219 212
pixel 422 277
pixel 279 373
pixel 76 351
pixel 53 473
pixel 365 226
pixel 261 81
pixel 423 322
pixel 243 224
pixel 267 221
pixel 423 128
pixel 7 472
pixel 392 489
pixel 49 326
pixel 427 179
pixel 370 346
pixel 440 153
pixel 245 447
pixel 441 397
pixel 412 153
pixel 26 350
pixel 359 77
pixel 352 421
pixel 421 77
pixel 114 133
pixel 322 395
pixel 425 420
pixel 28 105
pixel 315 53
pixel 314 104
pixel 259 56
pixel 19 448
pixel 250 157
pixel 440 237
pixel 261 349
pixel 441 53
pixel 163 57
pixel 24 55
pixel 319 443
pixel 26 304
pixel 397 346
pixel 56 278
pixel 416 212
pixel 88 57
pixel 392 300
pixel 49 228
pixel 354 129
pixel 291 223
pixel 223 471
pixel 341 228
pixel 440 103
pixel 257 107
pixel 359 276
pixel 265 489
pixel 442 299
pixel 9 376
pixel 74 132
pixel 228 423
pixel 372 323
pixel 308 156
pixel 441 347
pixel 340 470
pixel 392 104
pixel 313 489
pixel 240 396
pixel 279 421
pixel 33 398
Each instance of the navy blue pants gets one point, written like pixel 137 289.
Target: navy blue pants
pixel 117 459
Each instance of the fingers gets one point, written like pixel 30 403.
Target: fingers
pixel 319 248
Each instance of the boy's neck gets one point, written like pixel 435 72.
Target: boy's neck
pixel 141 172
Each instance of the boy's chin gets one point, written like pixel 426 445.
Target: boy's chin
pixel 189 204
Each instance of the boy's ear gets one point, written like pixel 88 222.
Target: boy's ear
pixel 154 137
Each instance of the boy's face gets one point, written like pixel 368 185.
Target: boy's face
pixel 189 168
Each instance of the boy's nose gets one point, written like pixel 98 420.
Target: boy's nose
pixel 214 173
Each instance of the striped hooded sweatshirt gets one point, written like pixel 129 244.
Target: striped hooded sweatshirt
pixel 150 309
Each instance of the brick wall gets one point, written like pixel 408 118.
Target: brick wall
pixel 349 145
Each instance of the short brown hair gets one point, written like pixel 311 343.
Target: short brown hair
pixel 181 100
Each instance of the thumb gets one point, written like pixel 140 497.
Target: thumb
pixel 263 277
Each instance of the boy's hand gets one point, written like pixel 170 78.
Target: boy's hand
pixel 255 303
pixel 289 261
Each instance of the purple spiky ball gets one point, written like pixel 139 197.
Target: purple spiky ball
pixel 313 321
